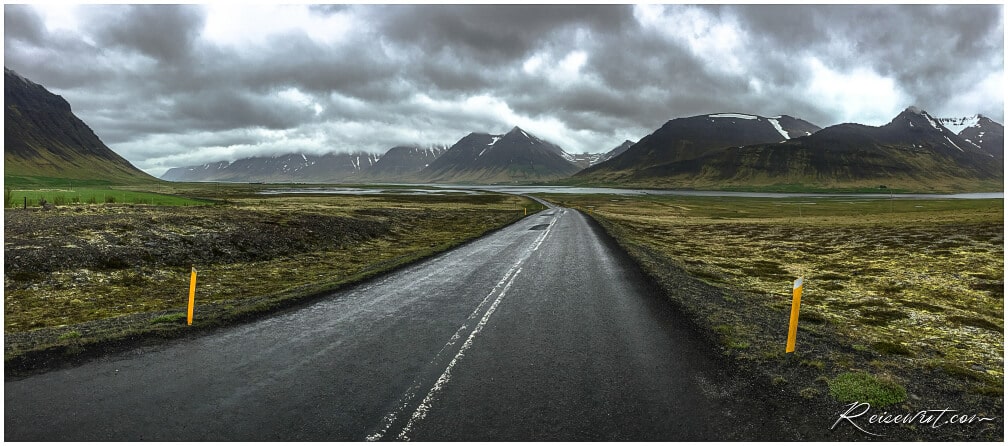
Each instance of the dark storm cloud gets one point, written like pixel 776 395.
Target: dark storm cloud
pixel 228 109
pixel 167 85
pixel 163 32
pixel 358 69
pixel 23 23
pixel 497 34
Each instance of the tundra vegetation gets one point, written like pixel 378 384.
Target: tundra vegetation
pixel 904 294
pixel 84 274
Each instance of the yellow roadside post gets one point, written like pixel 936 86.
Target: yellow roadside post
pixel 526 211
pixel 795 303
pixel 192 294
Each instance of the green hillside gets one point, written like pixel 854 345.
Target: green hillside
pixel 45 144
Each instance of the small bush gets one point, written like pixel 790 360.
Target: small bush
pixel 866 388
pixel 110 199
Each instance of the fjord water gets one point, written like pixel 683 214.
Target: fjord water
pixel 457 188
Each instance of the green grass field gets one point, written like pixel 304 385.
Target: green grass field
pixel 16 198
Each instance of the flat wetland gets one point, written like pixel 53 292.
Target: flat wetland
pixel 83 274
pixel 909 292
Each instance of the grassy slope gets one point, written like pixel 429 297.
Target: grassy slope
pixel 84 308
pixel 510 175
pixel 909 291
pixel 48 170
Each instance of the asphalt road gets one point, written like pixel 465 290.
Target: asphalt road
pixel 541 331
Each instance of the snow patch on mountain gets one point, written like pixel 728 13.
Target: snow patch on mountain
pixel 954 144
pixel 733 115
pixel 776 125
pixel 958 124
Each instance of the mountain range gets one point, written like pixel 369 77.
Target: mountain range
pixel 914 151
pixel 398 164
pixel 516 156
pixel 44 142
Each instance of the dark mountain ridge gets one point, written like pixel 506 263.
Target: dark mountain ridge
pixel 515 156
pixel 986 134
pixel 44 139
pixel 912 151
pixel 404 163
pixel 691 137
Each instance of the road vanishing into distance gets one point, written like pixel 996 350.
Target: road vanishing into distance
pixel 544 330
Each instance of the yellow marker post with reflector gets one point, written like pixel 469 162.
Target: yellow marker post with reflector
pixel 192 294
pixel 795 304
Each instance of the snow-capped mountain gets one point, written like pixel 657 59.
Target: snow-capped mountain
pixel 516 156
pixel 404 163
pixel 913 151
pixel 987 134
pixel 586 160
pixel 582 160
pixel 288 168
pixel 957 124
pixel 691 137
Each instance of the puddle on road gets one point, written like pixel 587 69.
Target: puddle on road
pixel 539 227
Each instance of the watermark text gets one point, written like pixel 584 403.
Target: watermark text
pixel 857 414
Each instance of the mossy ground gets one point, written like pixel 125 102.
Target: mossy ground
pixel 98 277
pixel 911 289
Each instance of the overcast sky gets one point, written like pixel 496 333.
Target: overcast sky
pixel 168 86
